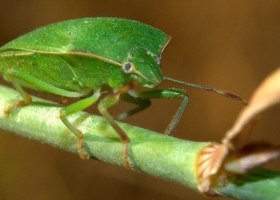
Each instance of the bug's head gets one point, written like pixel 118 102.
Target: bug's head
pixel 144 66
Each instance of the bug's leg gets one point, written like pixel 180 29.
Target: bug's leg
pixel 171 94
pixel 16 74
pixel 73 108
pixel 26 97
pixel 163 94
pixel 140 102
pixel 106 103
pixel 176 118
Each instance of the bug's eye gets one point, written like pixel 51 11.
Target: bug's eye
pixel 127 67
pixel 158 60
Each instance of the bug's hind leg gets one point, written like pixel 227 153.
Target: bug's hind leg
pixel 73 108
pixel 26 97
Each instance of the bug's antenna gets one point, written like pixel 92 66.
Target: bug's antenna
pixel 209 89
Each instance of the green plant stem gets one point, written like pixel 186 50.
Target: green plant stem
pixel 258 184
pixel 166 157
pixel 149 152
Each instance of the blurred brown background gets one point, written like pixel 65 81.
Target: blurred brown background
pixel 230 45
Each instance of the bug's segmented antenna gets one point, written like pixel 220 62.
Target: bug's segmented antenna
pixel 209 89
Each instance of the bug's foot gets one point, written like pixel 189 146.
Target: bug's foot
pixel 17 104
pixel 7 112
pixel 126 162
pixel 83 155
pixel 81 151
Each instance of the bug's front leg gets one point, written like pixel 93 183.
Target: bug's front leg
pixel 176 93
pixel 142 99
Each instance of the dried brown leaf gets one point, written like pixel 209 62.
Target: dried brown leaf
pixel 235 155
pixel 251 156
pixel 266 96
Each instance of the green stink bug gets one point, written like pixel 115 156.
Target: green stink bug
pixel 78 57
